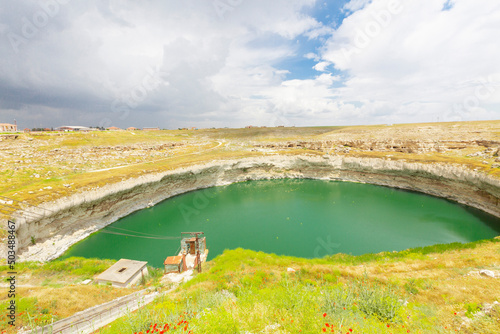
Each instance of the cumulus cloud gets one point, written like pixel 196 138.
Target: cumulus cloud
pixel 355 5
pixel 223 63
pixel 425 60
pixel 97 57
pixel 321 66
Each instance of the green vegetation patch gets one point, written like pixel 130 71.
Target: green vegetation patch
pixel 74 267
pixel 412 253
pixel 243 291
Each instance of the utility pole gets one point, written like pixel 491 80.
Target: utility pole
pixel 198 259
pixel 197 245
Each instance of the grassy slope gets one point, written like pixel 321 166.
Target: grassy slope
pixel 47 292
pixel 424 290
pixel 434 289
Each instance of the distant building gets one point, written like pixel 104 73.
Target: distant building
pixel 132 129
pixel 123 273
pixel 73 128
pixel 249 126
pixel 6 127
pixel 113 128
pixel 27 130
pixel 151 129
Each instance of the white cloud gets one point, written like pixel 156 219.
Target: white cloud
pixel 312 55
pixel 225 68
pixel 103 52
pixel 355 5
pixel 319 31
pixel 420 56
pixel 321 66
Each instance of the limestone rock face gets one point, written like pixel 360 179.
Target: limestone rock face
pixel 73 218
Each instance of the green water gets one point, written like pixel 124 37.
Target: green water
pixel 305 218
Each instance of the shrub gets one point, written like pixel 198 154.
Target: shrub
pixel 369 298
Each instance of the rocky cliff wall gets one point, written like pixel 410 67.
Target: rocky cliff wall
pixel 74 218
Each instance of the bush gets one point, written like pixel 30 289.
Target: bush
pixel 369 298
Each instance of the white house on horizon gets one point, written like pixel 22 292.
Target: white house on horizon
pixel 6 127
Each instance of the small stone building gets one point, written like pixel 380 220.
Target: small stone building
pixel 123 273
pixel 175 264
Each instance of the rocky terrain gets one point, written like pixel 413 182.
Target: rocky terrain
pixel 486 149
pixel 466 139
pixel 72 219
pixel 30 154
pixel 79 183
pixel 61 187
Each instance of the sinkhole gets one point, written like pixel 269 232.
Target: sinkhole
pixel 296 217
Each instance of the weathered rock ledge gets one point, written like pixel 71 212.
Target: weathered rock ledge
pixel 74 218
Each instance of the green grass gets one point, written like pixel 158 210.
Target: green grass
pixel 55 291
pixel 268 133
pixel 75 267
pixel 243 291
pixel 412 253
pixel 247 291
pixel 287 303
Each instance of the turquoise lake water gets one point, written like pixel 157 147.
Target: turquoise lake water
pixel 304 218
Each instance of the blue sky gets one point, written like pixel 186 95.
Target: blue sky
pixel 329 14
pixel 218 63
